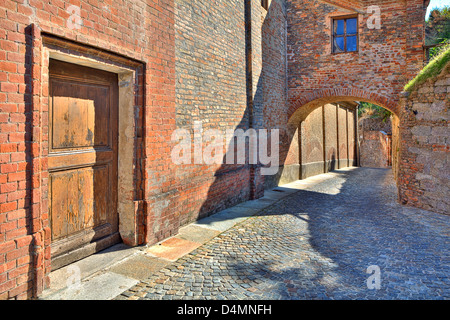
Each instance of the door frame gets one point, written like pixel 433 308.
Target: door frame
pixel 130 206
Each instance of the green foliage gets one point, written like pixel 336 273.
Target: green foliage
pixel 369 110
pixel 437 50
pixel 432 69
pixel 437 27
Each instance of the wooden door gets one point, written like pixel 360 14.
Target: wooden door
pixel 82 162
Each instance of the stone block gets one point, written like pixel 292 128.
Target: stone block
pixel 420 131
pixel 440 89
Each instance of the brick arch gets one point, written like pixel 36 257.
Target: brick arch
pixel 304 103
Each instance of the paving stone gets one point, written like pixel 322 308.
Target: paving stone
pixel 317 243
pixel 139 266
pixel 173 248
pixel 197 234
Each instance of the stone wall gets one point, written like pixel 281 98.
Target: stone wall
pixel 375 149
pixel 375 138
pixel 424 173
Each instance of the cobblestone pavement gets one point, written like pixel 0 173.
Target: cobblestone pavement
pixel 317 244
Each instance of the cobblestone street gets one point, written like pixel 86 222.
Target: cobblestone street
pixel 317 244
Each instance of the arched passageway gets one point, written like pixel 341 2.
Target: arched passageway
pixel 302 104
pixel 323 127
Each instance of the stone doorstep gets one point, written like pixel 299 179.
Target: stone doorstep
pixel 105 286
pixel 85 269
pixel 108 273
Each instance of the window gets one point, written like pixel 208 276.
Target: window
pixel 345 35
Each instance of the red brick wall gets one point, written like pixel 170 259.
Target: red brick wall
pixel 135 30
pixel 223 72
pixel 386 60
pixel 273 81
pixel 342 135
pixel 211 88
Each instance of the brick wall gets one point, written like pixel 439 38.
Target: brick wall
pixel 375 124
pixel 331 143
pixel 231 74
pixel 321 133
pixel 343 136
pixel 223 62
pixel 387 57
pixel 126 30
pixel 211 88
pixel 352 138
pixel 312 144
pixel 274 84
pixel 423 177
pixel 375 149
pixel 396 143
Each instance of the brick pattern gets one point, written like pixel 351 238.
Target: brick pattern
pixel 386 59
pixel 199 60
pixel 319 252
pixel 327 140
pixel 331 143
pixel 214 42
pixel 312 137
pixel 211 88
pixel 131 29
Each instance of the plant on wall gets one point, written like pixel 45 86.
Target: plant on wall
pixel 437 30
pixel 369 110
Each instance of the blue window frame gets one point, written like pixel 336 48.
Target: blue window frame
pixel 345 35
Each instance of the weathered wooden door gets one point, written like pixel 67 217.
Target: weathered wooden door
pixel 82 162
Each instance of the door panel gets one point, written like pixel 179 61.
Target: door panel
pixel 83 146
pixel 75 206
pixel 82 117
